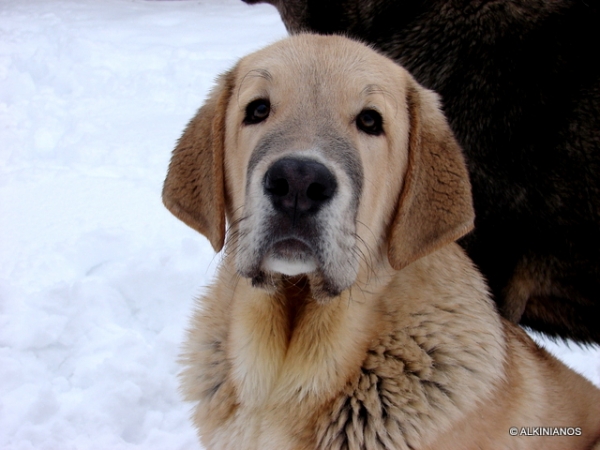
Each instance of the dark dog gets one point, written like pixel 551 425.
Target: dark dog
pixel 522 94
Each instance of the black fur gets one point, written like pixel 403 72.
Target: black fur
pixel 520 86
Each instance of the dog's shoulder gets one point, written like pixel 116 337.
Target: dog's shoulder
pixel 442 353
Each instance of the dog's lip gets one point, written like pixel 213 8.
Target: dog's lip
pixel 290 245
pixel 289 256
pixel 291 248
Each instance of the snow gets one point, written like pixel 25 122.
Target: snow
pixel 97 278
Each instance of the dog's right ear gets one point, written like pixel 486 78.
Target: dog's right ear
pixel 194 190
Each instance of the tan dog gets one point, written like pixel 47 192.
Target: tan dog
pixel 344 316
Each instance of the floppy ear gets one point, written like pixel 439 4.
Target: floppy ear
pixel 435 206
pixel 194 189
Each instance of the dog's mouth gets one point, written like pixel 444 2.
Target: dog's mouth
pixel 300 222
pixel 290 257
pixel 328 271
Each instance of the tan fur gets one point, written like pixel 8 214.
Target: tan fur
pixel 412 355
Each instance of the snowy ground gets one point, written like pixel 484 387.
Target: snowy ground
pixel 97 279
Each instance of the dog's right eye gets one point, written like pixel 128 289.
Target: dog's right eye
pixel 257 111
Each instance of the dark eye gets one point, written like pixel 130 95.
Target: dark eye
pixel 370 122
pixel 257 111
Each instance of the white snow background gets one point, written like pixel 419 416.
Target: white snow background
pixel 97 278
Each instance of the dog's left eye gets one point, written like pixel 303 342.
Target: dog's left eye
pixel 257 111
pixel 370 122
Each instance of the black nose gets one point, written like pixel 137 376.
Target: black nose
pixel 299 186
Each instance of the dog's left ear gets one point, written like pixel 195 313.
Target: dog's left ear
pixel 435 206
pixel 194 189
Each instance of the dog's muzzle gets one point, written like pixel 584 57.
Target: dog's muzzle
pixel 297 190
pixel 299 216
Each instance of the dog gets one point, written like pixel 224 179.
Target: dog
pixel 343 314
pixel 522 95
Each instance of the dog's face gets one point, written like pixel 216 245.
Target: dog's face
pixel 325 156
pixel 308 147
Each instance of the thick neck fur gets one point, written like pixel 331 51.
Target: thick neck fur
pixel 285 344
pixel 253 354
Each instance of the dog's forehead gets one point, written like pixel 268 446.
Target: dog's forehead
pixel 325 62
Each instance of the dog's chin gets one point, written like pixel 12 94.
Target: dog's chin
pixel 289 257
pixel 289 267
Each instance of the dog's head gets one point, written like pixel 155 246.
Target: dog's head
pixel 325 157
